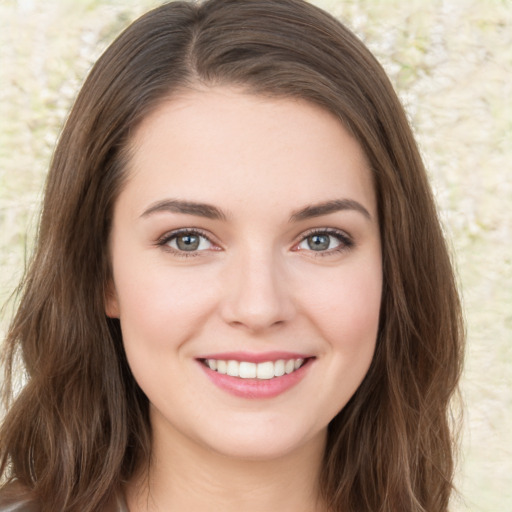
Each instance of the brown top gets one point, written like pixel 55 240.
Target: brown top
pixel 30 506
pixel 20 506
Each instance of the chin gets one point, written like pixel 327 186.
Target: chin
pixel 262 443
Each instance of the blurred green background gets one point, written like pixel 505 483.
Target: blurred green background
pixel 450 61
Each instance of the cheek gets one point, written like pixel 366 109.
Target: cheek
pixel 159 308
pixel 349 324
pixel 346 309
pixel 345 314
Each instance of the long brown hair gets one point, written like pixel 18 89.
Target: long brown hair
pixel 79 427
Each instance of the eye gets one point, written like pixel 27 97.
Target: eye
pixel 186 241
pixel 329 241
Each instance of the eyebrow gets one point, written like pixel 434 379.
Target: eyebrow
pixel 185 207
pixel 212 212
pixel 336 205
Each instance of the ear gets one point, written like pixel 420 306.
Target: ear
pixel 111 302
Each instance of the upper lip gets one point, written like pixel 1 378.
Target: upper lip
pixel 252 357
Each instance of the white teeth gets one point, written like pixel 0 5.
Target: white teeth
pixel 279 368
pixel 232 369
pixel 265 370
pixel 246 370
pixel 222 366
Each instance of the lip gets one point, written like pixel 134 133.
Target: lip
pixel 253 357
pixel 256 388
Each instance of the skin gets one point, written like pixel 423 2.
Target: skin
pixel 255 283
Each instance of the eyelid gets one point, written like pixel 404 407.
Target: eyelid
pixel 164 240
pixel 346 241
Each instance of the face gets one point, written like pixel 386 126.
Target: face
pixel 246 270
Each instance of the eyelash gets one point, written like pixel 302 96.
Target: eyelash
pixel 168 237
pixel 345 240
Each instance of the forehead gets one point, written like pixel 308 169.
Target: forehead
pixel 230 145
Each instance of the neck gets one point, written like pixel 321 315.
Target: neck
pixel 185 476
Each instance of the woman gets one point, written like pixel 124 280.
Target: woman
pixel 240 296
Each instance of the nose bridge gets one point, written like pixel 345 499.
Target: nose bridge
pixel 256 294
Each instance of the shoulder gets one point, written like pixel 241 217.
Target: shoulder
pixel 20 506
pixel 120 504
pixel 15 498
pixel 23 505
pixel 27 505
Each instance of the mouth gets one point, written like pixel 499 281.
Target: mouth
pixel 265 370
pixel 256 376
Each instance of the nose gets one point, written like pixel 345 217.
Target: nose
pixel 257 295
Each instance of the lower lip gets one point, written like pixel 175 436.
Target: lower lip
pixel 256 388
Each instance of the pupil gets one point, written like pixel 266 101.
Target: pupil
pixel 318 242
pixel 187 242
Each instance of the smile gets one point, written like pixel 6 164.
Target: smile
pixel 248 370
pixel 256 375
